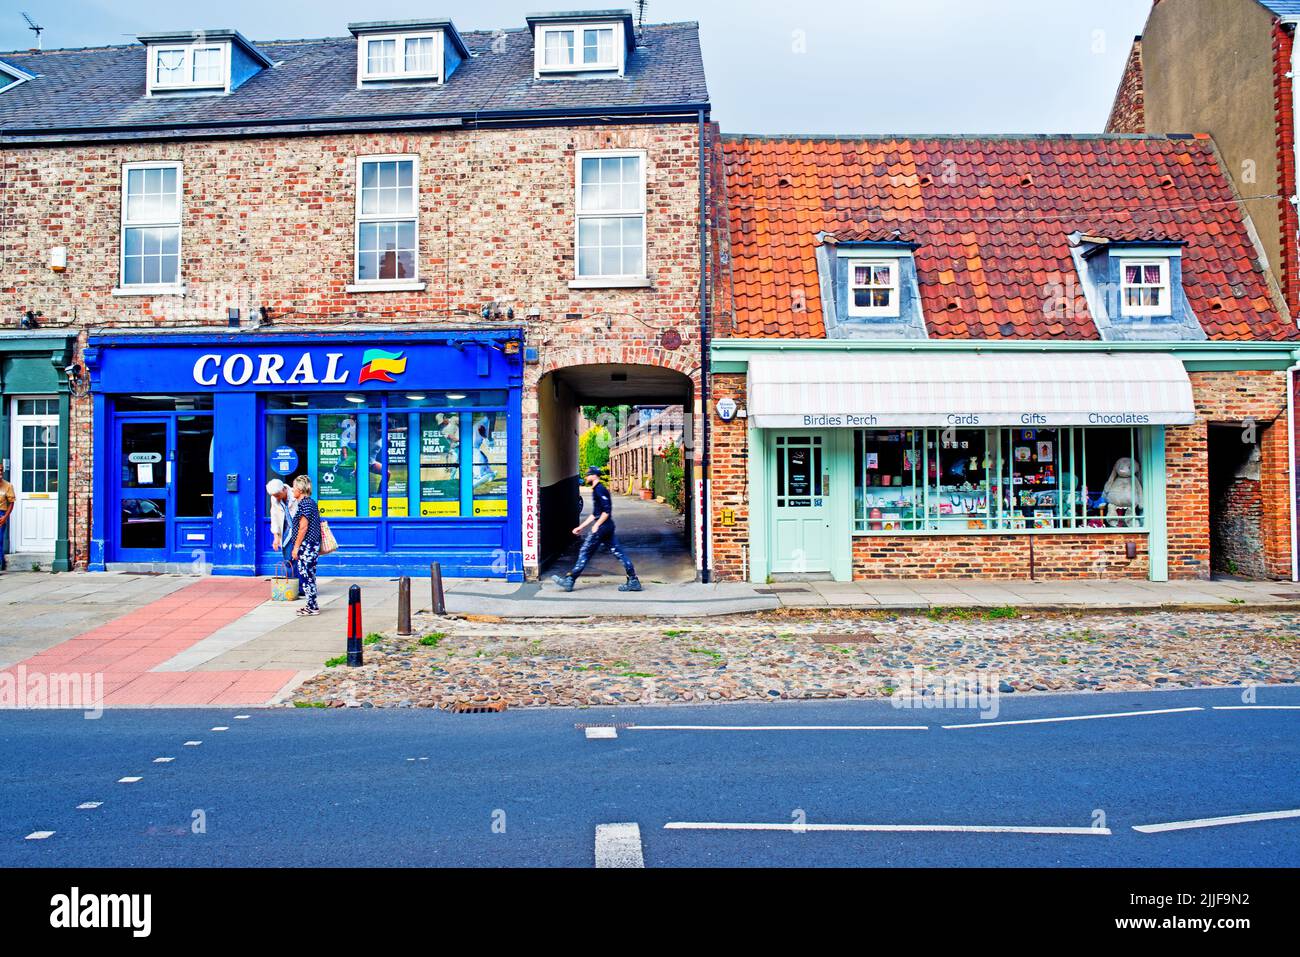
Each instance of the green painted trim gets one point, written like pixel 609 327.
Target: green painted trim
pixel 61 560
pixel 1157 505
pixel 733 355
pixel 1239 365
pixel 44 358
pixel 841 494
pixel 760 515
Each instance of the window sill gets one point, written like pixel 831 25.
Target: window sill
pixel 170 290
pixel 611 282
pixel 397 286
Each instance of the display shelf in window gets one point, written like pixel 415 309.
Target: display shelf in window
pixel 889 468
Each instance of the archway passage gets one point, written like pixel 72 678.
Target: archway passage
pixel 646 405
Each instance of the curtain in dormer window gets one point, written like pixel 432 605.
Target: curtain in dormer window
pixel 598 46
pixel 559 48
pixel 171 67
pixel 419 55
pixel 381 57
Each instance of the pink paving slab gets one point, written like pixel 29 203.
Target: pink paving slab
pixel 126 650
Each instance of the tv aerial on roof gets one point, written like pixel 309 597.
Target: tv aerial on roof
pixel 34 27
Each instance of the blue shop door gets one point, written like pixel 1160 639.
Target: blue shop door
pixel 143 478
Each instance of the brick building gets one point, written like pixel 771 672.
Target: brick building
pixel 1004 358
pixel 397 261
pixel 1247 103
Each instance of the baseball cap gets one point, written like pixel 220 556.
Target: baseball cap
pixel 593 470
pixel 275 487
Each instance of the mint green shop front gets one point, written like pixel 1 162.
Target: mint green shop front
pixel 981 460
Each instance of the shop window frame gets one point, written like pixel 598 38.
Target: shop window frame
pixel 999 520
pixel 383 410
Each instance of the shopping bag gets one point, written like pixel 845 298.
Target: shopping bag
pixel 328 543
pixel 284 586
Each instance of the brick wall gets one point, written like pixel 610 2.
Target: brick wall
pixel 1128 113
pixel 271 222
pixel 730 470
pixel 1288 270
pixel 1000 557
pixel 1236 547
pixel 1237 399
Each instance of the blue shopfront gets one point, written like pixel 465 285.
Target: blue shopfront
pixel 412 442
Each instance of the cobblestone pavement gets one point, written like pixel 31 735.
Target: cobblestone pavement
pixel 806 654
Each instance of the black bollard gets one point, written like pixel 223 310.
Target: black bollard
pixel 435 582
pixel 354 627
pixel 404 606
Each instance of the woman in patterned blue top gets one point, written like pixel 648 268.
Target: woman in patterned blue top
pixel 306 546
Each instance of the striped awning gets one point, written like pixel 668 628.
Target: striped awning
pixel 892 390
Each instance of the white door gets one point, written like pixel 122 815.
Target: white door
pixel 34 469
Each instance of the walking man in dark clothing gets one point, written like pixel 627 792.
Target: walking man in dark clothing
pixel 601 536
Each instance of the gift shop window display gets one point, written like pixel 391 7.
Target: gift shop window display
pixel 407 455
pixel 958 481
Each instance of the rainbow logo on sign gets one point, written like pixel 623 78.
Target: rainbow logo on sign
pixel 380 366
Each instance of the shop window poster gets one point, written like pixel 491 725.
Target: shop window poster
pixel 398 476
pixel 440 465
pixel 490 451
pixel 336 448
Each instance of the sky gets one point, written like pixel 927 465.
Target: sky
pixel 815 66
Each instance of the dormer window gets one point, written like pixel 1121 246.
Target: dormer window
pixel 1144 287
pixel 412 56
pixel 581 45
pixel 873 288
pixel 589 49
pixel 198 67
pixel 199 62
pixel 11 76
pixel 398 52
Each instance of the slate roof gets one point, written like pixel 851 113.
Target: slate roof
pixel 314 81
pixel 1283 8
pixel 991 219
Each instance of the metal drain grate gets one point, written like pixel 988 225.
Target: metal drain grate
pixel 478 707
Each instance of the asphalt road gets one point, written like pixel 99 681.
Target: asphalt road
pixel 310 787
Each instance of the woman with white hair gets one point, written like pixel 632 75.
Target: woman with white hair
pixel 306 545
pixel 283 508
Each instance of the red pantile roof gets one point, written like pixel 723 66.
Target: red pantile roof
pixel 991 219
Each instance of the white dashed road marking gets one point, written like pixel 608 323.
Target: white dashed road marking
pixel 1216 821
pixel 163 760
pixel 619 845
pixel 778 727
pixel 192 744
pixel 894 828
pixel 221 729
pixel 1073 717
pixel 89 805
pixel 601 733
pixel 242 717
pixel 39 835
pixel 1258 707
pixel 127 780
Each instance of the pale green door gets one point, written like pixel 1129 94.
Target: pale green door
pixel 801 506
